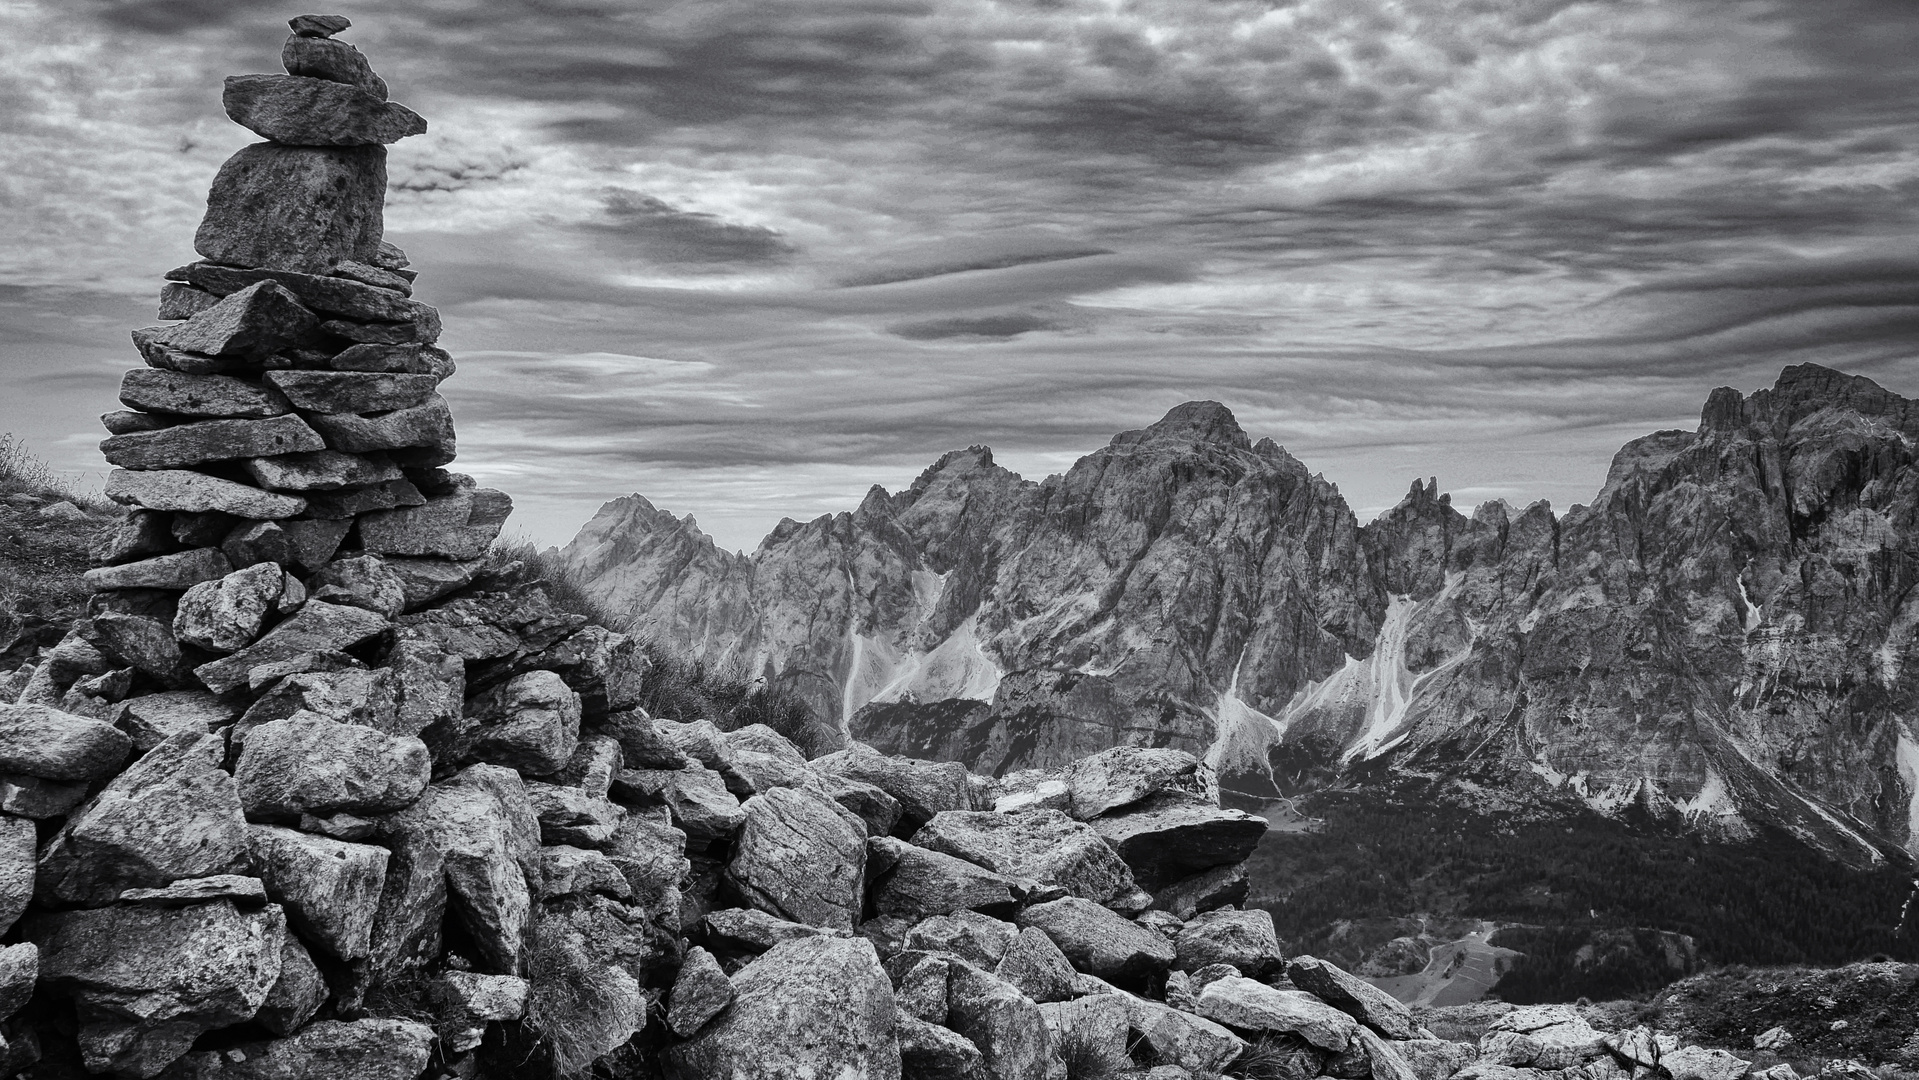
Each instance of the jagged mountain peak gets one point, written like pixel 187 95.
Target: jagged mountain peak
pixel 1198 422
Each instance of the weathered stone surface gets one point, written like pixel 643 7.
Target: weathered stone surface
pixel 139 533
pixel 19 968
pixel 566 871
pixel 428 579
pixel 1036 967
pixel 320 470
pixel 310 765
pixel 427 424
pixel 349 697
pixel 335 61
pixel 1368 1003
pixel 571 816
pixel 331 392
pixel 880 811
pixel 1126 775
pixel 295 208
pixel 247 325
pixel 362 1049
pixel 819 1007
pixel 326 293
pixel 1383 1061
pixel 180 570
pixel 1044 845
pixel 800 856
pixel 147 981
pixel 980 940
pixel 1697 1063
pixel 214 397
pixel 1243 939
pixel 1253 1006
pixel 481 831
pixel 228 614
pixel 700 992
pixel 931 1052
pixel 245 892
pixel 329 888
pixel 457 526
pixel 1435 1059
pixel 301 545
pixel 126 422
pixel 1007 1028
pixel 45 742
pixel 1204 891
pixel 151 718
pixel 1166 838
pixel 318 26
pixel 748 930
pixel 914 883
pixel 424 329
pixel 1641 1046
pixel 409 359
pixel 1101 942
pixel 923 788
pixel 465 1002
pixel 920 982
pixel 35 798
pixel 18 840
pixel 531 723
pixel 174 814
pixel 179 489
pixel 363 581
pixel 297 111
pixel 1095 1029
pixel 1182 1038
pixel 318 627
pixel 296 995
pixel 179 300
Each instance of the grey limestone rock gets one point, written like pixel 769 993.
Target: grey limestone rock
pixel 346 503
pixel 748 930
pixel 303 544
pixel 1124 775
pixel 1243 939
pixel 335 61
pixel 1044 845
pixel 1181 1038
pixel 182 490
pixel 467 1001
pixel 571 816
pixel 1435 1059
pixel 178 571
pixel 318 627
pixel 139 533
pixel 1006 1026
pixel 1697 1063
pixel 374 1049
pixel 147 981
pixel 802 857
pixel 1167 837
pixel 178 300
pixel 211 397
pixel 329 392
pixel 1368 1003
pixel 461 525
pixel 814 1007
pixel 228 614
pixel 19 969
pixel 923 788
pixel 931 1052
pixel 247 325
pixel 151 718
pixel 295 208
pixel 428 579
pixel 126 422
pixel 980 940
pixel 1098 1027
pixel 1204 891
pixel 914 883
pixel 18 839
pixel 567 871
pixel 244 891
pixel 34 798
pixel 362 581
pixel 318 26
pixel 488 839
pixel 530 723
pixel 1101 942
pixel 294 110
pixel 45 742
pixel 1254 1006
pixel 700 992
pixel 1382 1059
pixel 1036 967
pixel 320 470
pixel 174 814
pixel 296 995
pixel 329 888
pixel 307 764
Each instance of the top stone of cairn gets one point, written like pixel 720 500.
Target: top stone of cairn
pixel 319 26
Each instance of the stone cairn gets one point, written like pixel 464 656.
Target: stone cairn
pixel 317 791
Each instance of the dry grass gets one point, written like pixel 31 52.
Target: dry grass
pixel 580 1009
pixel 1088 1057
pixel 1275 1057
pixel 42 555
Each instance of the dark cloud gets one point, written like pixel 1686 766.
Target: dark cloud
pixel 1006 325
pixel 667 234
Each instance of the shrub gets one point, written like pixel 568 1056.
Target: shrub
pixel 1087 1057
pixel 579 1008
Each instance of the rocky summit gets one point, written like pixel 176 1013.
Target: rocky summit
pixel 1718 638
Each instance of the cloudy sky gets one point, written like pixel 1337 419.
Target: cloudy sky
pixel 748 257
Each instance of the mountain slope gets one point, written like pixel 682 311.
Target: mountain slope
pixel 1723 635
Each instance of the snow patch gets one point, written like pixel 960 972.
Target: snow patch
pixel 1394 683
pixel 1754 617
pixel 1906 757
pixel 957 667
pixel 1243 737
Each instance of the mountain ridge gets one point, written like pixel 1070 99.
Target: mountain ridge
pixel 1187 586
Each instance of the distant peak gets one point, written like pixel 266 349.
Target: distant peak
pixel 1201 421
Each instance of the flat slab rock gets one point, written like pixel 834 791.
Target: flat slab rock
pixel 362 1049
pixel 298 111
pixel 1044 845
pixel 192 492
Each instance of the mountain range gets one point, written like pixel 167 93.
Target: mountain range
pixel 1722 638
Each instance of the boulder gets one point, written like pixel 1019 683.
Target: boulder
pixel 192 492
pixel 19 970
pixel 980 940
pixel 302 544
pixel 206 397
pixel 40 741
pixel 329 888
pixel 295 208
pixel 1554 1036
pixel 922 788
pixel 700 992
pixel 1126 775
pixel 1043 845
pixel 1004 1024
pixel 461 525
pixel 362 1049
pixel 407 924
pixel 643 745
pixel 139 533
pixel 1243 939
pixel 1166 838
pixel 295 110
pixel 571 816
pixel 151 719
pixel 914 883
pixel 594 764
pixel 244 891
pixel 479 831
pixel 147 981
pixel 880 811
pixel 745 930
pixel 297 995
pixel 311 765
pixel 174 814
pixel 920 982
pixel 801 857
pixel 465 1002
pixel 567 871
pixel 532 724
pixel 174 572
pixel 695 795
pixel 17 843
pixel 1101 942
pixel 1435 1059
pixel 32 797
pixel 429 694
pixel 1697 1063
pixel 335 61
pixel 245 327
pixel 318 627
pixel 931 1052
pixel 1036 967
pixel 1204 891
pixel 1382 1059
pixel 363 581
pixel 1180 1038
pixel 228 614
pixel 1239 1002
pixel 818 1007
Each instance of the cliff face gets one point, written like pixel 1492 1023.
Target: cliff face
pixel 1722 634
